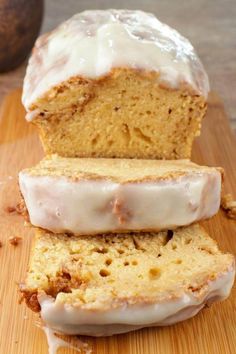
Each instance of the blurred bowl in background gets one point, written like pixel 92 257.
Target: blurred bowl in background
pixel 20 22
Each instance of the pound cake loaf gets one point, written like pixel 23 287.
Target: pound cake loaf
pixel 91 196
pixel 105 285
pixel 116 83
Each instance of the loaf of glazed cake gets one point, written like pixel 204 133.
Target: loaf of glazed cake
pixel 116 83
pixel 91 196
pixel 106 285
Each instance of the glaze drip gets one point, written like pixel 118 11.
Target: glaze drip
pixel 92 43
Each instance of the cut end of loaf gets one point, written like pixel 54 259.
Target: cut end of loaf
pixel 125 114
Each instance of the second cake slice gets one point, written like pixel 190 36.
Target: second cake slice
pixel 91 196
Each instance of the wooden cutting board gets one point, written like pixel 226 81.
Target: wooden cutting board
pixel 213 331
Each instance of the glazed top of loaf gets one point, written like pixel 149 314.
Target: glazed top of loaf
pixel 91 43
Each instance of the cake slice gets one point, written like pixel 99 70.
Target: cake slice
pixel 91 196
pixel 116 83
pixel 106 285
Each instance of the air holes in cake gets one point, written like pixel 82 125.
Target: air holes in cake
pixel 108 261
pixel 154 273
pixel 134 263
pixel 174 246
pixel 120 251
pixel 117 108
pixel 148 112
pixel 159 255
pixel 126 263
pixel 100 250
pixel 140 135
pixel 175 152
pixel 189 120
pixel 66 275
pixel 110 142
pixel 169 111
pixel 137 244
pixel 194 289
pixel 169 235
pixel 94 141
pixel 187 242
pixel 178 261
pixel 61 89
pixel 104 273
pixel 125 133
pixel 207 250
pixel 42 114
pixel 74 258
pixel 73 107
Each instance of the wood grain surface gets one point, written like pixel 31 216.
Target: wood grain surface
pixel 213 331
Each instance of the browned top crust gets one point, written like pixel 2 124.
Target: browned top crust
pixel 117 170
pixel 140 37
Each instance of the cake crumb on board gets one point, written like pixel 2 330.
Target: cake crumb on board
pixel 15 240
pixel 229 206
pixel 10 209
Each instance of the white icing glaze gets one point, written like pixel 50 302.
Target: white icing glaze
pixel 91 43
pixel 95 206
pixel 55 343
pixel 69 319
